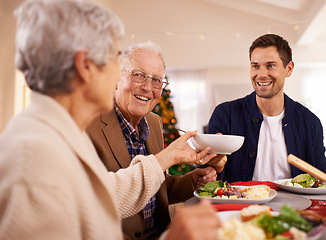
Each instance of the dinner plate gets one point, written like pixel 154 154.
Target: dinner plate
pixel 314 234
pixel 280 184
pixel 228 215
pixel 286 198
pixel 272 194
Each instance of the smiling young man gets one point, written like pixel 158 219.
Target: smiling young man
pixel 272 123
pixel 132 129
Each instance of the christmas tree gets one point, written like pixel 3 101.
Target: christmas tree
pixel 164 108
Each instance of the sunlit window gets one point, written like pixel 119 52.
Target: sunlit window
pixel 314 85
pixel 189 97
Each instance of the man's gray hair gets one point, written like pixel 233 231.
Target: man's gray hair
pixel 128 52
pixel 51 32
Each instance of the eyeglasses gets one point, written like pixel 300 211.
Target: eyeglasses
pixel 140 76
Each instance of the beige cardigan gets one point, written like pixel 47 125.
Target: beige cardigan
pixel 54 186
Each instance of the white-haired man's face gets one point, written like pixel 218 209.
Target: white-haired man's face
pixel 135 99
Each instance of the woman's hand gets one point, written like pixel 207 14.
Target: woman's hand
pixel 194 222
pixel 180 152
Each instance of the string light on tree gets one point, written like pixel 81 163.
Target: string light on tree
pixel 164 108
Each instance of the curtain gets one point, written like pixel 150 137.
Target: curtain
pixel 314 86
pixel 189 97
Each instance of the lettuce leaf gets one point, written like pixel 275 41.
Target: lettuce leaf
pixel 210 187
pixel 275 225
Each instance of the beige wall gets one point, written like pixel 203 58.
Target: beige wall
pixel 7 68
pixel 227 82
pixel 11 91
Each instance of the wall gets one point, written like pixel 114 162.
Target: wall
pixel 223 84
pixel 11 81
pixel 7 68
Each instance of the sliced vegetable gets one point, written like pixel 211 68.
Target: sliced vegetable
pixel 276 225
pixel 307 181
pixel 220 192
pixel 211 186
pixel 289 215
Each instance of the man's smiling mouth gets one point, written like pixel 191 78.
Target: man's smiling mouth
pixel 264 83
pixel 142 98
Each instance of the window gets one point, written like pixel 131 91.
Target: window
pixel 189 97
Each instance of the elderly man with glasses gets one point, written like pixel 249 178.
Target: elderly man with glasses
pixel 132 129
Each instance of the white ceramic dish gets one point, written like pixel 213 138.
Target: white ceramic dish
pixel 228 215
pixel 272 194
pixel 280 184
pixel 313 234
pixel 220 144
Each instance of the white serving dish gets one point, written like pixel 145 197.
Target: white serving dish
pixel 280 184
pixel 220 144
pixel 272 195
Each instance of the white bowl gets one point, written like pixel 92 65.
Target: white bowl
pixel 220 144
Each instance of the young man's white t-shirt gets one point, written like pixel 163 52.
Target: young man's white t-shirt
pixel 271 162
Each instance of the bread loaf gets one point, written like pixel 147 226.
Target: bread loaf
pixel 253 211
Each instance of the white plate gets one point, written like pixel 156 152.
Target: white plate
pixel 313 234
pixel 272 194
pixel 220 144
pixel 228 215
pixel 280 184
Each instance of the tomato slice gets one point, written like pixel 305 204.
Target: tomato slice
pixel 220 192
pixel 317 183
pixel 287 234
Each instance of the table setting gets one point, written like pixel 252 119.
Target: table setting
pixel 312 204
pixel 298 201
pixel 311 199
pixel 307 200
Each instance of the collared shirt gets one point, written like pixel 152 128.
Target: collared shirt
pixel 136 145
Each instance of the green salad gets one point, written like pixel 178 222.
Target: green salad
pixel 219 189
pixel 306 181
pixel 209 189
pixel 278 226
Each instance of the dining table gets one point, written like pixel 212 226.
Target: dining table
pixel 311 204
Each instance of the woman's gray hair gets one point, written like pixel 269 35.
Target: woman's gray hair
pixel 127 54
pixel 51 32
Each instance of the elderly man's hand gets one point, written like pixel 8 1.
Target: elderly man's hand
pixel 201 176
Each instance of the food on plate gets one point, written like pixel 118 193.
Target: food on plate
pixel 257 192
pixel 288 224
pixel 305 181
pixel 220 189
pixel 235 229
pixel 313 218
pixel 253 211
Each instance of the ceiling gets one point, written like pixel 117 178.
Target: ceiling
pixel 218 33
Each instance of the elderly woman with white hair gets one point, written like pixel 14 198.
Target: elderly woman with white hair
pixel 52 182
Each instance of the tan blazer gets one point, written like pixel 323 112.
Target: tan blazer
pixel 109 142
